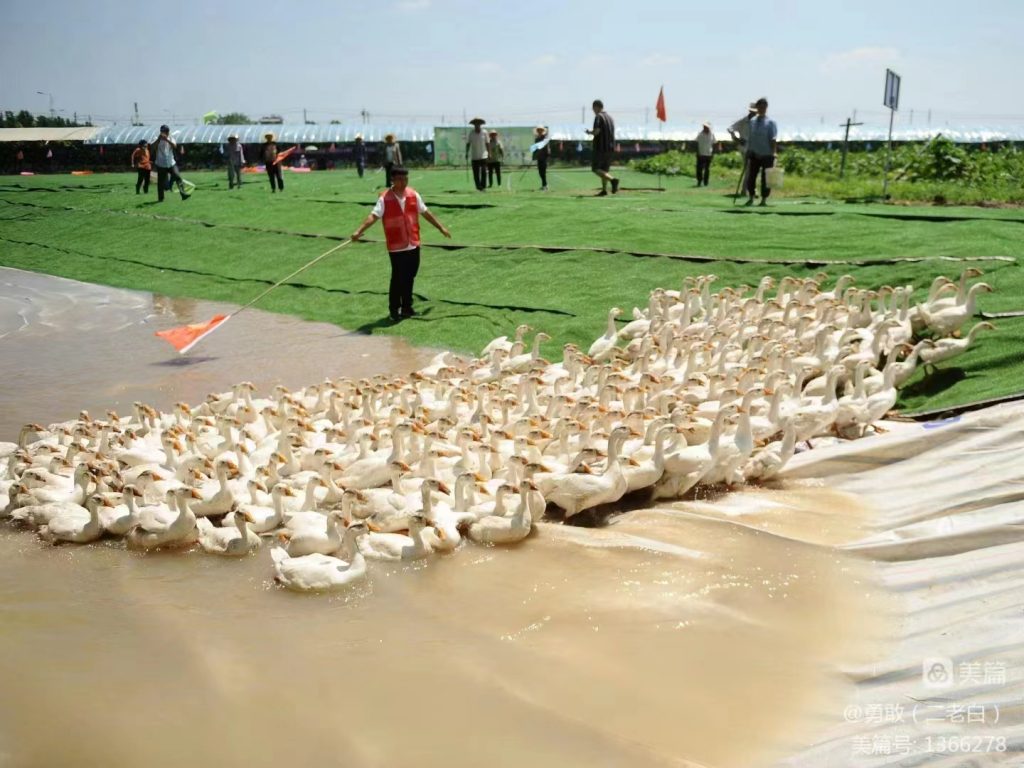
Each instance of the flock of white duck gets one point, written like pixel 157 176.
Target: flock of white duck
pixel 700 388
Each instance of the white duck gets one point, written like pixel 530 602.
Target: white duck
pixel 263 519
pixel 322 573
pixel 577 492
pixel 604 347
pixel 770 460
pixel 503 343
pixel 311 538
pixel 506 530
pixel 235 541
pixel 219 500
pixel 73 527
pixel 395 546
pixel 948 320
pixel 180 532
pixel 946 349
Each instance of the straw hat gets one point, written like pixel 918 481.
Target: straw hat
pixel 359 137
pixel 232 137
pixel 492 132
pixel 477 121
pixel 389 137
pixel 269 136
pixel 540 129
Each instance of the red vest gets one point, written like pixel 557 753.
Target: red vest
pixel 401 230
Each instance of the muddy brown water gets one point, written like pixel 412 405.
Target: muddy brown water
pixel 700 633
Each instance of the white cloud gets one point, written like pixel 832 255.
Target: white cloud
pixel 545 60
pixel 858 58
pixel 413 5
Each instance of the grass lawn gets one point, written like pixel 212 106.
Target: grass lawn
pixel 509 265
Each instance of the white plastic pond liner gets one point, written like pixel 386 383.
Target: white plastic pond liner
pixel 948 544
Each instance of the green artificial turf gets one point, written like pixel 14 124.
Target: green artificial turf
pixel 229 245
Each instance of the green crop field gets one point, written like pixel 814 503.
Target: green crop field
pixel 557 260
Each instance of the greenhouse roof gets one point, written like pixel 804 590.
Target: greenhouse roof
pixel 338 134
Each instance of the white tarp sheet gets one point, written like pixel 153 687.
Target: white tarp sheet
pixel 948 544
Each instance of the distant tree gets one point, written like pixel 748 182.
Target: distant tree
pixel 25 119
pixel 9 120
pixel 234 118
pixel 335 122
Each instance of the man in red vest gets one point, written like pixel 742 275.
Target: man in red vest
pixel 400 207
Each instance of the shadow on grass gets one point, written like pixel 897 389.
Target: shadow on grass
pixel 934 383
pixel 775 211
pixel 383 322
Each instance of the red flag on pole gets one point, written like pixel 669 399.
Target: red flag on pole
pixel 184 337
pixel 659 108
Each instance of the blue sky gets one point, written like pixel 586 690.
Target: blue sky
pixel 513 63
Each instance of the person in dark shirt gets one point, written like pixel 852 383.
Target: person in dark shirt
pixel 273 165
pixel 359 155
pixel 541 141
pixel 604 145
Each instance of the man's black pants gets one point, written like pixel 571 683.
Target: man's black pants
pixel 755 164
pixel 404 266
pixel 480 173
pixel 703 169
pixel 274 172
pixel 165 177
pixel 493 169
pixel 142 183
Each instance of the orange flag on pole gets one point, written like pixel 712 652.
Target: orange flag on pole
pixel 184 337
pixel 659 108
pixel 286 153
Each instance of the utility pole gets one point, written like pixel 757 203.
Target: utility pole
pixel 583 114
pixel 304 120
pixel 846 141
pixel 135 119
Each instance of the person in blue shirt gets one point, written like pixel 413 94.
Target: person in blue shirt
pixel 761 151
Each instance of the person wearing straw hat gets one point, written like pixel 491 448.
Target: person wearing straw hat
pixel 166 166
pixel 236 159
pixel 476 150
pixel 604 145
pixel 269 153
pixel 392 157
pixel 495 154
pixel 399 208
pixel 540 154
pixel 359 154
pixel 705 152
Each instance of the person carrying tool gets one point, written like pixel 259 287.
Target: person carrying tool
pixel 762 148
pixel 400 207
pixel 167 166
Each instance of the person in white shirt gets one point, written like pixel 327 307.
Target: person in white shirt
pixel 399 208
pixel 705 151
pixel 166 166
pixel 476 149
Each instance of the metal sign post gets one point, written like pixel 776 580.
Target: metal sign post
pixel 891 99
